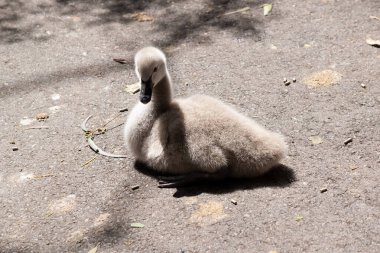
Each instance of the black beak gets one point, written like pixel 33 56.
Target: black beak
pixel 146 91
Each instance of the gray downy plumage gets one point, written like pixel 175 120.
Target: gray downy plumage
pixel 195 135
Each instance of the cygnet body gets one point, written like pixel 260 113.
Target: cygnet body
pixel 195 135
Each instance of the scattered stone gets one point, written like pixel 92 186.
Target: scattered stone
pixel 287 83
pixel 55 97
pixel 141 17
pixel 135 187
pixel 315 140
pixel 12 142
pixel 363 85
pixel 322 190
pixel 294 80
pixel 353 167
pixel 15 148
pixel 234 202
pixel 123 110
pixel 42 116
pixel 285 80
pixel 349 140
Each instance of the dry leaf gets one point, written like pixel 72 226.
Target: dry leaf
pixel 322 78
pixel 133 88
pixel 137 225
pixel 142 17
pixel 237 11
pixel 208 213
pixel 93 250
pixel 375 43
pixel 267 9
pixel 315 140
pixel 120 60
pixel 88 162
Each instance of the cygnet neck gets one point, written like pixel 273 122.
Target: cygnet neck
pixel 162 93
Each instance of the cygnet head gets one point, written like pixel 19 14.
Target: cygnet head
pixel 150 66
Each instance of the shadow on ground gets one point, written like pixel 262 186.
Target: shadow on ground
pixel 54 77
pixel 279 176
pixel 22 21
pixel 112 231
pixel 17 22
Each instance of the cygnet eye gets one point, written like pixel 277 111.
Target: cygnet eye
pixel 155 69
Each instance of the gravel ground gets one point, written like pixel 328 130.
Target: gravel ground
pixel 56 57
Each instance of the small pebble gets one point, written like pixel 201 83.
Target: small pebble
pixel 322 190
pixel 55 97
pixel 287 83
pixel 233 201
pixel 123 110
pixel 294 80
pixel 15 148
pixel 12 142
pixel 42 116
pixel 363 85
pixel 285 80
pixel 135 187
pixel 347 141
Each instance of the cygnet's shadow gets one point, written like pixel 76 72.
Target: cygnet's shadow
pixel 278 176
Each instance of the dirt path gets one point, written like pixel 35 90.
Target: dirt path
pixel 56 195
